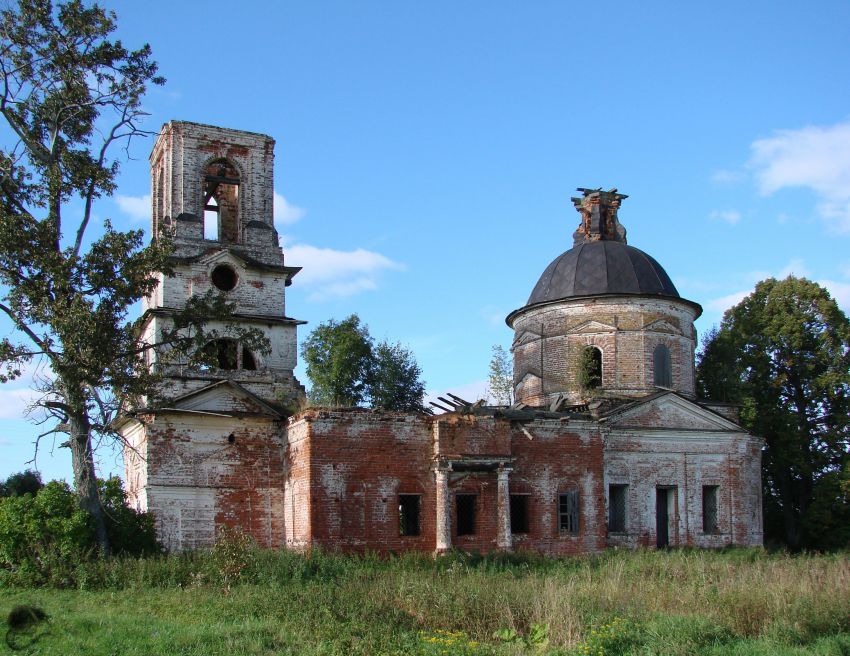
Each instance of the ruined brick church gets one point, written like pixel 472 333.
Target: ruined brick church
pixel 606 444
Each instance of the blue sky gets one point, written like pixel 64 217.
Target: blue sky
pixel 427 152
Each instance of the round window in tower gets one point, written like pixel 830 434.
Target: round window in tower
pixel 224 277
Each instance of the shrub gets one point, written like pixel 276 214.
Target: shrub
pixel 46 538
pixel 43 537
pixel 131 533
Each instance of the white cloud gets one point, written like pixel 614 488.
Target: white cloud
pixel 840 291
pixel 136 207
pixel 817 158
pixel 331 273
pixel 18 395
pixel 723 303
pixel 284 213
pixel 795 267
pixel 726 177
pixel 15 402
pixel 139 208
pixel 731 217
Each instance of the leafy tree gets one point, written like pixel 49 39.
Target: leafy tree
pixel 347 369
pixel 501 380
pixel 69 97
pixel 784 353
pixel 25 482
pixel 339 362
pixel 395 382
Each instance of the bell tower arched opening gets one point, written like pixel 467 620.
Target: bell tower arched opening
pixel 221 201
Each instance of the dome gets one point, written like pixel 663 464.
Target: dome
pixel 601 263
pixel 594 268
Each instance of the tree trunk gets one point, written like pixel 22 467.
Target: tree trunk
pixel 85 481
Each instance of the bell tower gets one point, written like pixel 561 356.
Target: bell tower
pixel 213 189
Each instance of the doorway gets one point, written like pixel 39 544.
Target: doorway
pixel 665 505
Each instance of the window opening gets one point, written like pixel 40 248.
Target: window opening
pixel 408 514
pixel 158 203
pixel 665 500
pixel 228 354
pixel 248 361
pixel 661 366
pixel 223 353
pixel 221 202
pixel 568 512
pixel 617 508
pixel 224 277
pixel 211 220
pixel 465 511
pixel 709 508
pixel 590 372
pixel 519 513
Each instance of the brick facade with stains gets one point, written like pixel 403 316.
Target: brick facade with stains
pixel 566 470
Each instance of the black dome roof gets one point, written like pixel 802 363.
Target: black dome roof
pixel 600 267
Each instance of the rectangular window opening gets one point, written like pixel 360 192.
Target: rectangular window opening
pixel 568 513
pixel 211 220
pixel 519 513
pixel 465 511
pixel 709 508
pixel 617 508
pixel 408 514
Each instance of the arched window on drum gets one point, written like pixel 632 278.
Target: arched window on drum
pixel 662 367
pixel 590 370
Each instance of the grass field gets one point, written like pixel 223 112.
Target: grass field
pixel 238 600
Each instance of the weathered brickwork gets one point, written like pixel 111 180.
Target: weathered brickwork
pixel 179 159
pixel 333 478
pixel 208 471
pixel 551 339
pixel 566 470
pixel 193 165
pixel 685 466
pixel 354 465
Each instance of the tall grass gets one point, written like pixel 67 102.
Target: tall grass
pixel 615 602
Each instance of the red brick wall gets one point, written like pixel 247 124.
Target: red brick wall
pixel 359 462
pixel 562 456
pixel 333 479
pixel 469 435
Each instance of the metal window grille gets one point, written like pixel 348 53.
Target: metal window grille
pixel 617 508
pixel 709 508
pixel 465 512
pixel 568 512
pixel 519 513
pixel 408 514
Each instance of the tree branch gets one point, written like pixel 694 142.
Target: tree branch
pixel 26 329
